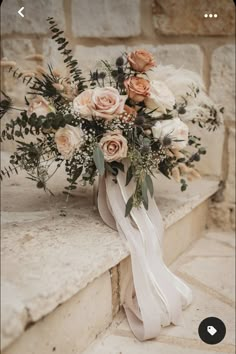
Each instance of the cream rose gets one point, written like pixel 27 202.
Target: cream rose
pixel 107 102
pixel 114 146
pixel 68 139
pixel 160 98
pixel 141 60
pixel 174 129
pixel 137 88
pixel 82 103
pixel 40 107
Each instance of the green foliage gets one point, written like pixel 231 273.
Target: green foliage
pixel 150 185
pixel 129 206
pixel 98 158
pixel 5 104
pixel 70 62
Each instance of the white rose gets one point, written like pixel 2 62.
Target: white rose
pixel 68 139
pixel 174 129
pixel 82 103
pixel 40 106
pixel 160 98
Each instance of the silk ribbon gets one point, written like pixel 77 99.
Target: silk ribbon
pixel 155 297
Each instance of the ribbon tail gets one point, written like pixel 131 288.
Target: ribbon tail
pixel 155 296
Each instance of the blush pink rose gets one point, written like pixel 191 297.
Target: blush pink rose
pixel 141 60
pixel 107 103
pixel 114 146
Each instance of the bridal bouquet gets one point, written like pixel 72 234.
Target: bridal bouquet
pixel 133 109
pixel 126 121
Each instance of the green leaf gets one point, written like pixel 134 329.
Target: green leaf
pixel 144 194
pixel 129 175
pixel 150 185
pixel 202 151
pixel 110 169
pixel 129 206
pixel 77 174
pixel 98 158
pixel 118 165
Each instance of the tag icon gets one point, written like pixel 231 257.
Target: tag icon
pixel 211 330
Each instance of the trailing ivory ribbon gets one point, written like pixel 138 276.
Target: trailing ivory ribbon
pixel 155 297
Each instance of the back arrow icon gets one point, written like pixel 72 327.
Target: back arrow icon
pixel 20 12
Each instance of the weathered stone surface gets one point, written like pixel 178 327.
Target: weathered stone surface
pixel 17 50
pixel 122 343
pixel 73 325
pixel 89 58
pixel 215 248
pixel 204 270
pixel 187 17
pixel 220 215
pixel 32 221
pixel 187 56
pixel 222 88
pixel 106 18
pixel 230 184
pixel 223 238
pixel 35 15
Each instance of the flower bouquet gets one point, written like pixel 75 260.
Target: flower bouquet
pixel 124 122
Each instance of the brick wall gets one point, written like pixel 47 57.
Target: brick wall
pixel 176 31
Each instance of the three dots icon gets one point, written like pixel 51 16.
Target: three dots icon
pixel 210 15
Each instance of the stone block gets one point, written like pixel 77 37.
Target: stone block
pixel 35 15
pixel 187 17
pixel 106 18
pixel 72 326
pixel 188 56
pixel 17 50
pixel 222 88
pixel 89 58
pixel 203 270
pixel 230 183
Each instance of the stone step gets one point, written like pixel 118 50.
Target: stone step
pixel 63 277
pixel 209 269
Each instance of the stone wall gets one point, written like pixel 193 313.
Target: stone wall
pixel 176 31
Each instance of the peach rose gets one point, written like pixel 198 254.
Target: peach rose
pixel 137 88
pixel 107 103
pixel 130 110
pixel 114 146
pixel 40 106
pixel 68 139
pixel 141 60
pixel 82 103
pixel 129 114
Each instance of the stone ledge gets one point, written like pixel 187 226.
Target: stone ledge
pixel 47 258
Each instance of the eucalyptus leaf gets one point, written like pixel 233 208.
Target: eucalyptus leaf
pixel 98 158
pixel 129 175
pixel 150 185
pixel 77 174
pixel 118 165
pixel 144 189
pixel 129 206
